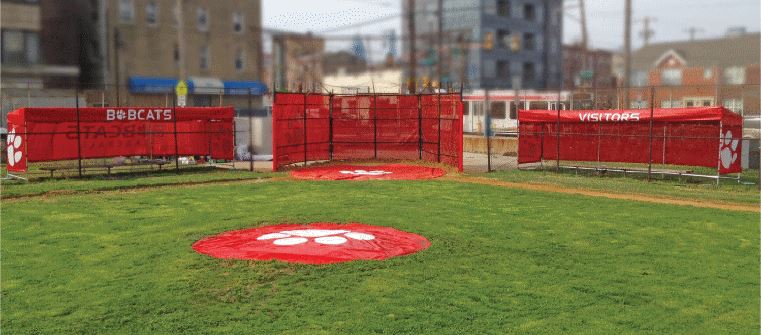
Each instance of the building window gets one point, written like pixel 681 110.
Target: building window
pixel 735 105
pixel 239 59
pixel 671 104
pixel 734 75
pixel 698 102
pixel 503 8
pixel 529 41
pixel 638 79
pixel 20 47
pixel 238 22
pixel 497 110
pixel 503 69
pixel 126 10
pixel 202 19
pixel 529 72
pixel 671 77
pixel 151 12
pixel 638 104
pixel 176 55
pixel 203 58
pixel 707 74
pixel 489 68
pixel 529 12
pixel 503 38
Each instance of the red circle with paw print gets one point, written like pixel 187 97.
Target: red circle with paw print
pixel 316 243
pixel 374 172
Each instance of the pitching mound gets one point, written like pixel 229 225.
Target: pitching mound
pixel 317 243
pixel 359 172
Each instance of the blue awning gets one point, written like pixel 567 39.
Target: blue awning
pixel 151 85
pixel 196 85
pixel 245 87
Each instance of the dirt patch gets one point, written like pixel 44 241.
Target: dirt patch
pixel 138 188
pixel 620 196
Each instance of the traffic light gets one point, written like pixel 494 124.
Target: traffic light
pixel 488 40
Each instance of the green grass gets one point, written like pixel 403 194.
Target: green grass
pixel 501 261
pixel 728 191
pixel 123 181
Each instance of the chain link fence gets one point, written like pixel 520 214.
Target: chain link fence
pixel 496 148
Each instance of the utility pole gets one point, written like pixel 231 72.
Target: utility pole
pixel 627 49
pixel 440 37
pixel 412 59
pixel 693 31
pixel 181 41
pixel 647 32
pixel 584 32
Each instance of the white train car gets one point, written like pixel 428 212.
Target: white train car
pixel 504 116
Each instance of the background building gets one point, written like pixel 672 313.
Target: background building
pixel 27 50
pixel 297 62
pixel 584 68
pixel 489 43
pixel 722 71
pixel 213 44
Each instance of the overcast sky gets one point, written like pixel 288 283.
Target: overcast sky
pixel 605 18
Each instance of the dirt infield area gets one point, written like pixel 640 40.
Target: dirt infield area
pixel 620 196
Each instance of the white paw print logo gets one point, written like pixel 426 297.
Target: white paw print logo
pixel 14 144
pixel 321 236
pixel 365 172
pixel 728 150
pixel 120 115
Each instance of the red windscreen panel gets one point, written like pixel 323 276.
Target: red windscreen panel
pixel 709 137
pixel 341 127
pixel 54 134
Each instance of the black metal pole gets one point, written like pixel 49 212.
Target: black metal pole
pixel 487 128
pixel 650 135
pixel 375 126
pixel 438 149
pixel 306 95
pixel 330 127
pixel 176 145
pixel 250 134
pixel 419 126
pixel 557 138
pixel 79 134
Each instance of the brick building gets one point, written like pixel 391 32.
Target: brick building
pixel 721 71
pixel 587 68
pixel 297 61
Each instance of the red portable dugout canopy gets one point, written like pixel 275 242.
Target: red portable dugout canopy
pixel 53 134
pixel 310 127
pixel 703 136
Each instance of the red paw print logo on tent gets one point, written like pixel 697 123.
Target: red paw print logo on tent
pixel 728 150
pixel 14 148
pixel 316 243
pixel 364 172
pixel 120 115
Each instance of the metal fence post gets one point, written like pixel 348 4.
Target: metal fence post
pixel 557 136
pixel 176 145
pixel 721 142
pixel 419 126
pixel 487 128
pixel 330 126
pixel 306 95
pixel 438 136
pixel 650 135
pixel 250 133
pixel 375 126
pixel 79 132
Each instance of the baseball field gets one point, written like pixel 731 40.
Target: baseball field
pixel 620 256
